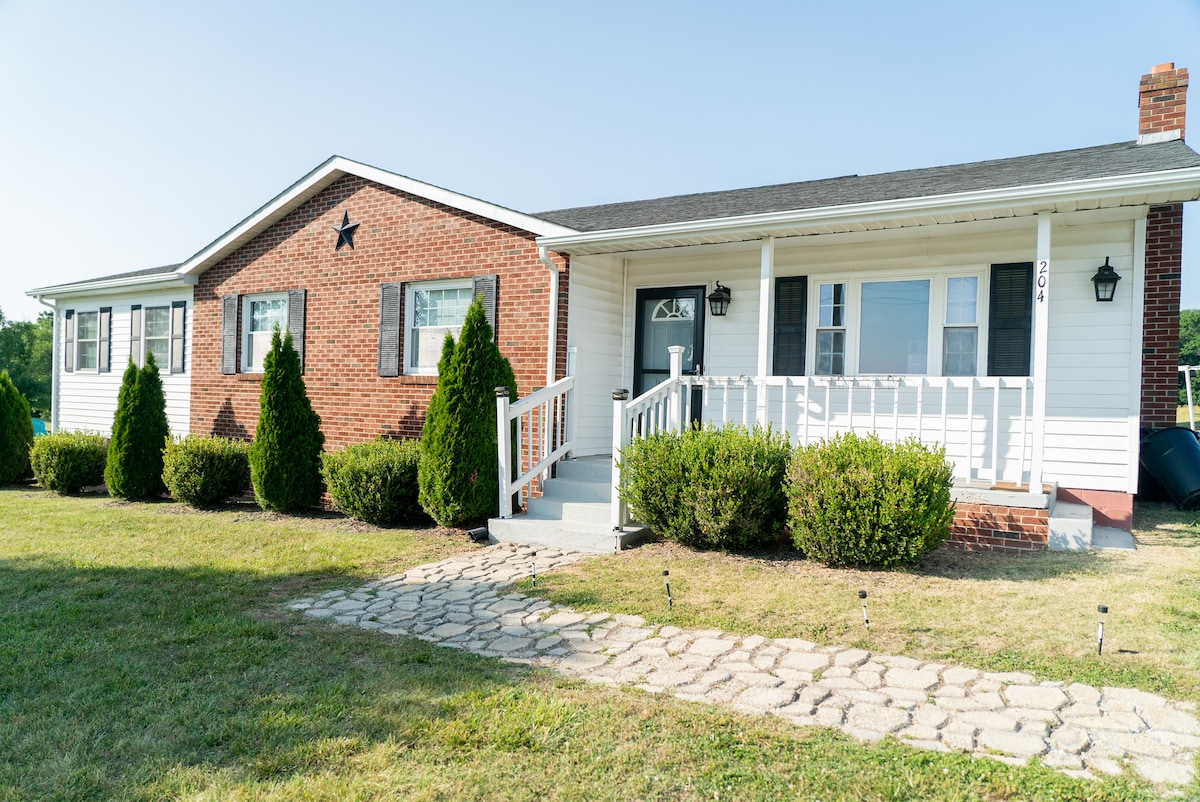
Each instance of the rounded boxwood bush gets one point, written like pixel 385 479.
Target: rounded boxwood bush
pixel 203 471
pixel 375 482
pixel 67 462
pixel 709 488
pixel 859 501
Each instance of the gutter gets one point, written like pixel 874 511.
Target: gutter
pixel 551 317
pixel 53 364
pixel 755 226
pixel 110 286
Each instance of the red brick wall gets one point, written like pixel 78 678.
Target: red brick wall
pixel 1160 334
pixel 1015 530
pixel 401 238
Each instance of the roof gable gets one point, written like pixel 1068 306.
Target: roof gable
pixel 323 177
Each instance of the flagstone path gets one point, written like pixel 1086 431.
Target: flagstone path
pixel 1083 731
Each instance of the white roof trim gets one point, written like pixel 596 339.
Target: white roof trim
pixel 1170 185
pixel 153 281
pixel 333 169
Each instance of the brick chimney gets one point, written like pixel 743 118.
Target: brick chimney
pixel 1162 104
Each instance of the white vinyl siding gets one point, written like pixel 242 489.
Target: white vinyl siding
pixel 594 327
pixel 87 401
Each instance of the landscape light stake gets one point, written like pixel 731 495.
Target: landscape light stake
pixel 862 594
pixel 533 567
pixel 1103 610
pixel 667 582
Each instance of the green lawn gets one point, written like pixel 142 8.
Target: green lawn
pixel 145 654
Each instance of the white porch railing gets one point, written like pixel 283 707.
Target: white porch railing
pixel 985 423
pixel 1187 371
pixel 532 434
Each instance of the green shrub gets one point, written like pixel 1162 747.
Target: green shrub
pixel 709 488
pixel 16 432
pixel 375 482
pixel 203 471
pixel 69 461
pixel 457 476
pixel 139 434
pixel 285 458
pixel 858 501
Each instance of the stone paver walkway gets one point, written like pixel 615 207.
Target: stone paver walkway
pixel 1084 731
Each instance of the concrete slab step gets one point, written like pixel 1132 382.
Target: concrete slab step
pixel 576 490
pixel 597 512
pixel 1070 527
pixel 1105 538
pixel 556 533
pixel 586 469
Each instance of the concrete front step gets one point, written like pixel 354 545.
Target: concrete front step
pixel 534 530
pixel 585 469
pixel 588 512
pixel 1070 527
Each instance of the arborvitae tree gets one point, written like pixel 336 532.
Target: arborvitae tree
pixel 16 432
pixel 457 473
pixel 139 435
pixel 285 458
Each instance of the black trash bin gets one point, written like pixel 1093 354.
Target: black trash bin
pixel 1172 457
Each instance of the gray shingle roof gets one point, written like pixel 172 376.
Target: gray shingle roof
pixel 1104 161
pixel 149 271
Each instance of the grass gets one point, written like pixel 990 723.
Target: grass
pixel 1181 414
pixel 145 654
pixel 1035 613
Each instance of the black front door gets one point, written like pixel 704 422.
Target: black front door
pixel 667 316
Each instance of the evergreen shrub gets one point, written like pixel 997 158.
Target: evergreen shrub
pixel 457 475
pixel 139 434
pixel 285 457
pixel 16 432
pixel 709 488
pixel 67 462
pixel 204 471
pixel 375 482
pixel 859 501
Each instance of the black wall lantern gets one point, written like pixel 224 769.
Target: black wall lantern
pixel 718 300
pixel 1106 281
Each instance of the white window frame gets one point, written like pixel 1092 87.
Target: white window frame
pixel 938 290
pixel 409 337
pixel 79 341
pixel 247 320
pixel 165 364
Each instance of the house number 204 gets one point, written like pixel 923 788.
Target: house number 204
pixel 1043 278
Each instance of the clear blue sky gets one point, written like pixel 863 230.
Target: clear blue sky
pixel 132 133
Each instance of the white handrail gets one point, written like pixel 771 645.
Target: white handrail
pixel 540 436
pixel 1187 371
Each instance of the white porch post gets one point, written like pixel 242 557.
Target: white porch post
pixel 620 442
pixel 766 298
pixel 569 422
pixel 504 452
pixel 1041 339
pixel 675 412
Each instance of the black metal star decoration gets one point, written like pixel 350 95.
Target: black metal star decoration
pixel 345 232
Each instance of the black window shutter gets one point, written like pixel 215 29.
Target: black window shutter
pixel 390 298
pixel 135 334
pixel 488 287
pixel 296 321
pixel 791 324
pixel 1010 319
pixel 178 318
pixel 229 333
pixel 104 347
pixel 69 340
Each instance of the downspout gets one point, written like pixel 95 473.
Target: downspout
pixel 552 317
pixel 53 365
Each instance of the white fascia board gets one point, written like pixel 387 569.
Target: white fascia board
pixel 1165 183
pixel 333 169
pixel 114 286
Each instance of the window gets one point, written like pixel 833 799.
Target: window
pixel 158 334
pixel 831 330
pixel 261 314
pixel 433 309
pixel 894 328
pixel 87 347
pixel 960 336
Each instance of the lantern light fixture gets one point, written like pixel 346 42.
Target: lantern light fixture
pixel 1106 279
pixel 718 300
